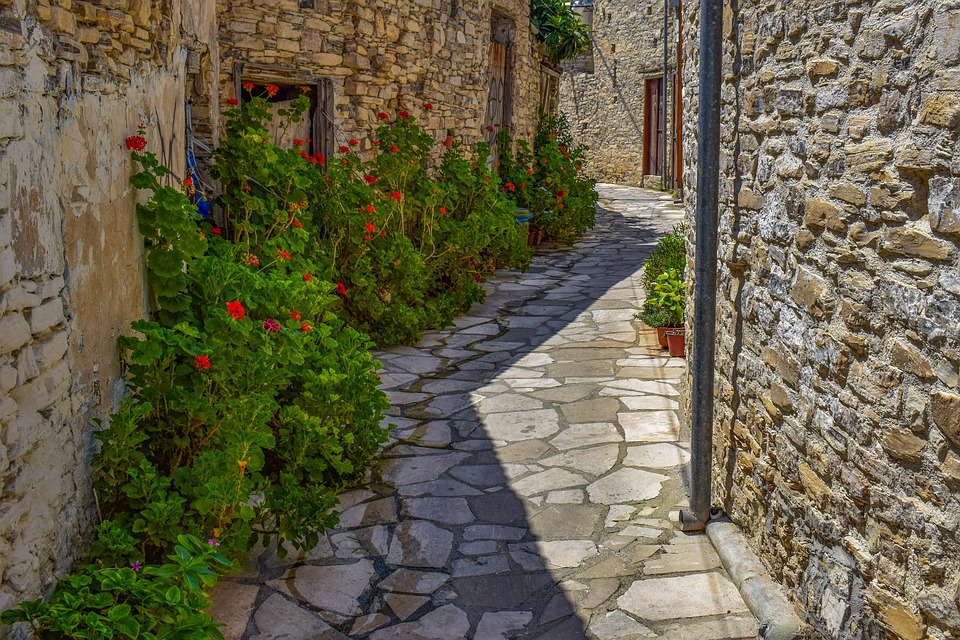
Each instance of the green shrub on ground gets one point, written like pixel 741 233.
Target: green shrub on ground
pixel 546 179
pixel 663 279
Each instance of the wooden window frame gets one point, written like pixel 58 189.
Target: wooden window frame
pixel 322 128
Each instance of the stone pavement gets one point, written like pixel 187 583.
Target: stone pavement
pixel 531 485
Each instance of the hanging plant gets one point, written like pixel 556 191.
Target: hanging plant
pixel 560 29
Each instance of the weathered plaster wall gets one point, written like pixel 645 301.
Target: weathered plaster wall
pixel 76 78
pixel 602 92
pixel 389 56
pixel 838 416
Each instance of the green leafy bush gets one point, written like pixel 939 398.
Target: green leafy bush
pixel 162 602
pixel 559 27
pixel 546 179
pixel 667 301
pixel 670 253
pixel 663 278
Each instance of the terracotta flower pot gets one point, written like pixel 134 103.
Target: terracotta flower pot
pixel 677 342
pixel 662 336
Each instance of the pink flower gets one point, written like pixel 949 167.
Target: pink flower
pixel 213 542
pixel 135 565
pixel 271 325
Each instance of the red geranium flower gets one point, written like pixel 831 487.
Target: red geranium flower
pixel 376 143
pixel 307 327
pixel 353 143
pixel 136 143
pixel 297 224
pixel 367 237
pixel 382 116
pixel 235 309
pixel 428 106
pixel 251 260
pixel 442 210
pixel 344 148
pixel 394 149
pixel 404 115
pixel 530 171
pixel 188 182
pixel 295 316
pixel 216 231
pixel 396 195
pixel 307 277
pixel 248 86
pixel 202 362
pixel 272 90
pixel 371 208
pixel 232 102
pixel 370 179
pixel 341 289
pixel 510 186
pixel 297 142
pixel 370 228
pixel 490 128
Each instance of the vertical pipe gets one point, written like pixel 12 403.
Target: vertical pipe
pixel 705 284
pixel 666 90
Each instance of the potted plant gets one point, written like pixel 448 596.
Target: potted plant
pixel 664 309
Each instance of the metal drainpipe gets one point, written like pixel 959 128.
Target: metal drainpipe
pixel 705 285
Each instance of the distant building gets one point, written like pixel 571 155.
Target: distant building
pixel 613 95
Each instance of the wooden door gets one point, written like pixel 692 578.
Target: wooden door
pixel 653 128
pixel 500 96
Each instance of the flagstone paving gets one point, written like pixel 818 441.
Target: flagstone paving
pixel 532 480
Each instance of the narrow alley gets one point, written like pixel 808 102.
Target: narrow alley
pixel 530 487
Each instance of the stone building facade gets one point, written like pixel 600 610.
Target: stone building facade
pixel 388 56
pixel 611 95
pixel 838 413
pixel 76 79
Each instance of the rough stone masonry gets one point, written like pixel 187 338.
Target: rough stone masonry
pixel 603 91
pixel 76 79
pixel 838 415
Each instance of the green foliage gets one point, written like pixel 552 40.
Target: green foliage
pixel 253 393
pixel 408 249
pixel 547 180
pixel 667 300
pixel 560 29
pixel 160 602
pixel 663 277
pixel 670 253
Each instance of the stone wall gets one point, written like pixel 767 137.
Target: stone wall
pixel 76 78
pixel 389 56
pixel 602 92
pixel 838 415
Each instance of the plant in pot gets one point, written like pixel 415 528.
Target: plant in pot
pixel 664 309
